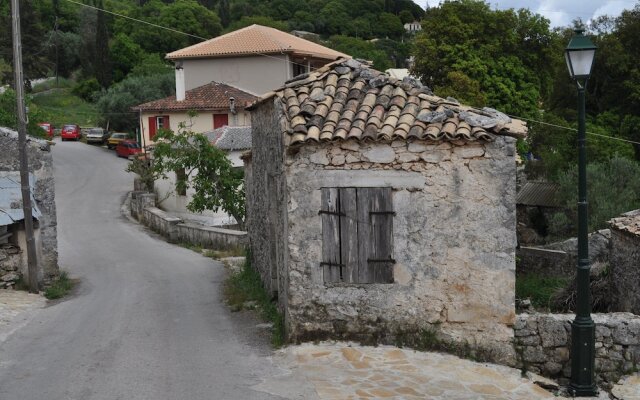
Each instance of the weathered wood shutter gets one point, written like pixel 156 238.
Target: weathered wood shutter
pixel 152 127
pixel 331 258
pixel 375 235
pixel 357 235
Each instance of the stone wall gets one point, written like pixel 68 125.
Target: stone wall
pixel 10 262
pixel 560 259
pixel 453 233
pixel 41 166
pixel 543 343
pixel 142 208
pixel 625 271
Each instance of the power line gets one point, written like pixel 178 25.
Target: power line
pixel 572 129
pixel 136 20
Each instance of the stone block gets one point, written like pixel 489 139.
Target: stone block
pixel 626 334
pixel 469 151
pixel 534 354
pixel 381 154
pixel 552 332
pixel 408 157
pixel 319 157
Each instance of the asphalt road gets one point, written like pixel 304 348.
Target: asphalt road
pixel 147 321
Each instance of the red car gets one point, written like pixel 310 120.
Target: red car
pixel 70 131
pixel 48 128
pixel 128 148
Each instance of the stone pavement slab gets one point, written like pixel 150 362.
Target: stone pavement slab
pixel 15 307
pixel 348 371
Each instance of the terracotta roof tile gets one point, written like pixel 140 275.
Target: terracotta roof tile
pixel 368 105
pixel 212 96
pixel 255 39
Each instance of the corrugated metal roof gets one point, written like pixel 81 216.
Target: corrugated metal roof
pixel 233 138
pixel 11 198
pixel 542 194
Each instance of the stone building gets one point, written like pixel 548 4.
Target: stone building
pixel 624 262
pixel 12 238
pixel 377 210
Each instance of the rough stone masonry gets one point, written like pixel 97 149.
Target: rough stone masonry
pixel 41 166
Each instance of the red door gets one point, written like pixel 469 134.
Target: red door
pixel 220 120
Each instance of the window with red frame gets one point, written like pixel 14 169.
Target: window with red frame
pixel 158 122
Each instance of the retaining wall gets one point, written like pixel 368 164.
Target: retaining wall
pixel 543 345
pixel 142 206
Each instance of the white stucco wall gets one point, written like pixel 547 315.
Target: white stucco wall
pixel 169 201
pixel 255 74
pixel 201 123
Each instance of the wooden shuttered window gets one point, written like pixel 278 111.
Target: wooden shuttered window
pixel 357 235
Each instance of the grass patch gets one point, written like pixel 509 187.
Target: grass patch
pixel 59 287
pixel 62 107
pixel 51 84
pixel 539 289
pixel 217 254
pixel 244 290
pixel 191 246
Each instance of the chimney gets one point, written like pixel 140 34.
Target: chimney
pixel 180 89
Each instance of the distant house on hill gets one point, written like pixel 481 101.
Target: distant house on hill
pixel 216 105
pixel 413 27
pixel 256 58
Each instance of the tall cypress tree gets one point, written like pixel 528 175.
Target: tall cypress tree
pixel 224 13
pixel 102 65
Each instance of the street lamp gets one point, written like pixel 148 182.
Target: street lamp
pixel 579 55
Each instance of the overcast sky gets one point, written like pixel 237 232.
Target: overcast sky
pixel 560 12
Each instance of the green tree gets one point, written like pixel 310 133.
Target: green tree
pixel 224 12
pixel 361 49
pixel 208 171
pixel 8 115
pixel 614 188
pixel 102 62
pixel 406 16
pixel 125 54
pixel 182 15
pixel 115 103
pixel 260 20
pixel 35 39
pixel 506 52
pixel 388 25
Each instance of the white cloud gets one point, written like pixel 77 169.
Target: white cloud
pixel 560 12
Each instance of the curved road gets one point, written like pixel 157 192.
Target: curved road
pixel 147 321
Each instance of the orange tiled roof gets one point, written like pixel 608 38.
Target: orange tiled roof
pixel 255 39
pixel 212 96
pixel 346 99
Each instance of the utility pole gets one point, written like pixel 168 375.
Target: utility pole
pixel 22 148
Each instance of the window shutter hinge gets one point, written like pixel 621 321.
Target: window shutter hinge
pixel 332 213
pixel 382 213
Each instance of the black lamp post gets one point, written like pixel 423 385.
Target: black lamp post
pixel 579 55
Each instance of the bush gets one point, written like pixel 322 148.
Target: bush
pixel 87 89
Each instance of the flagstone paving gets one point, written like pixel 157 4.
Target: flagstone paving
pixel 348 371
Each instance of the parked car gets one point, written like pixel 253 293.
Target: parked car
pixel 128 148
pixel 116 138
pixel 48 128
pixel 96 135
pixel 70 131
